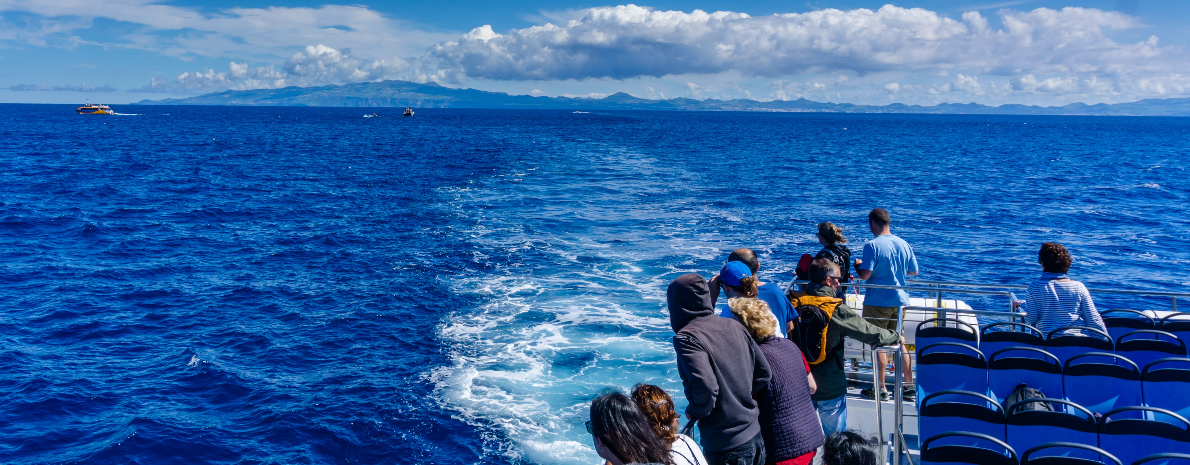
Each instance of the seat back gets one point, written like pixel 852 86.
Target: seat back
pixel 1034 368
pixel 1166 384
pixel 1177 324
pixel 1166 458
pixel 951 365
pixel 1102 382
pixel 1072 453
pixel 935 330
pixel 998 336
pixel 1120 321
pixel 1068 341
pixel 1146 345
pixel 954 410
pixel 1127 435
pixel 960 447
pixel 1026 429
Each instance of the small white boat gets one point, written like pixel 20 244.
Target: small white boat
pixel 408 111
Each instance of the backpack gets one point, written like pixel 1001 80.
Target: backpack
pixel 841 262
pixel 809 330
pixel 1023 392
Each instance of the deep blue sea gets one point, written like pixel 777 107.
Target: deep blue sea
pixel 304 285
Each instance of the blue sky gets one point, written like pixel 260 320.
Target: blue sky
pixel 924 51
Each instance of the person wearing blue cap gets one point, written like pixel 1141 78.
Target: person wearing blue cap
pixel 738 278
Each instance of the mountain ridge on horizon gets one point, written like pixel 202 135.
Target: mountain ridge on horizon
pixel 393 93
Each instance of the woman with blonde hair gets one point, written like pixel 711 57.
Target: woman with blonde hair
pixel 658 408
pixel 788 420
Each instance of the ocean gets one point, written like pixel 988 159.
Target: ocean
pixel 303 285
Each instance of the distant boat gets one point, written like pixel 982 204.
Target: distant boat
pixel 373 115
pixel 93 109
pixel 408 111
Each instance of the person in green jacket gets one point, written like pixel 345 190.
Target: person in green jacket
pixel 831 397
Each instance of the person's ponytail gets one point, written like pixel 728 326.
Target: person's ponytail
pixel 748 287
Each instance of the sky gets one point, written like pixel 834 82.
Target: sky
pixel 1037 52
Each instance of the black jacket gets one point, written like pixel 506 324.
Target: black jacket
pixel 721 367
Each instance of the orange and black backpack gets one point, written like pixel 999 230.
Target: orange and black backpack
pixel 814 315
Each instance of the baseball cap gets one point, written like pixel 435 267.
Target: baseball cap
pixel 732 272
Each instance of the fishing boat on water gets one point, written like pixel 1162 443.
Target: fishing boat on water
pixel 94 109
pixel 408 111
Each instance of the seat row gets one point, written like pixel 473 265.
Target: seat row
pixel 963 448
pixel 1140 343
pixel 1128 433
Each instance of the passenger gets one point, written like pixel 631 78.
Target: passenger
pixel 830 399
pixel 721 369
pixel 887 260
pixel 658 408
pixel 621 433
pixel 788 420
pixel 832 239
pixel 848 448
pixel 1054 300
pixel 770 293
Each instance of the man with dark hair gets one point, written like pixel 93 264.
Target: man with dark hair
pixel 1054 300
pixel 721 368
pixel 848 448
pixel 831 397
pixel 887 260
pixel 770 293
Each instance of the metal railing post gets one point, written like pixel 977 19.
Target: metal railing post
pixel 899 387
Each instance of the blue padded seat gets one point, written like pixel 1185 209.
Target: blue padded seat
pixel 1068 341
pixel 1027 429
pixel 1072 453
pixel 1177 324
pixel 954 410
pixel 1127 435
pixel 936 330
pixel 1167 458
pixel 1102 382
pixel 998 336
pixel 965 448
pixel 1122 321
pixel 950 365
pixel 1166 384
pixel 1146 345
pixel 1035 368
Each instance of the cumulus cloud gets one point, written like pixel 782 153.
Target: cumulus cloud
pixel 630 41
pixel 44 88
pixel 316 65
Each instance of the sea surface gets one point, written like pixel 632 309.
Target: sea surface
pixel 304 285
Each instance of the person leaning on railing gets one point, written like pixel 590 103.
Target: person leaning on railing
pixel 830 398
pixel 1054 300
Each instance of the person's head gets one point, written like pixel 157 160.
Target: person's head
pixel 658 408
pixel 1054 258
pixel 848 448
pixel 829 234
pixel 878 221
pixel 688 297
pixel 738 280
pixel 756 317
pixel 622 432
pixel 748 257
pixel 824 272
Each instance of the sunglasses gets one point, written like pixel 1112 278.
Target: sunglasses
pixel 834 277
pixel 590 430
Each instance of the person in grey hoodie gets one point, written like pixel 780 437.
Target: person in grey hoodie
pixel 722 368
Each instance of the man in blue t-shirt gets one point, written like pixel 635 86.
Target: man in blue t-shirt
pixel 770 293
pixel 887 260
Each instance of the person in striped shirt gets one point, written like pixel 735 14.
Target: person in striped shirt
pixel 1054 300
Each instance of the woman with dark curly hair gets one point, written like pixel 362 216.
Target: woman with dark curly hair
pixel 622 434
pixel 1054 300
pixel 658 407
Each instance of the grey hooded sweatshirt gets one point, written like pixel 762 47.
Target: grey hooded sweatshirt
pixel 720 365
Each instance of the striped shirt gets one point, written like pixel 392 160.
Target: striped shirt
pixel 1052 304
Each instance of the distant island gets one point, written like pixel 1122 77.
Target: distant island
pixel 431 95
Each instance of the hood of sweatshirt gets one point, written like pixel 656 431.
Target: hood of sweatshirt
pixel 689 297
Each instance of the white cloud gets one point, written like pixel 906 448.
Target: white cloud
pixel 629 41
pixel 892 87
pixel 316 65
pixel 967 84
